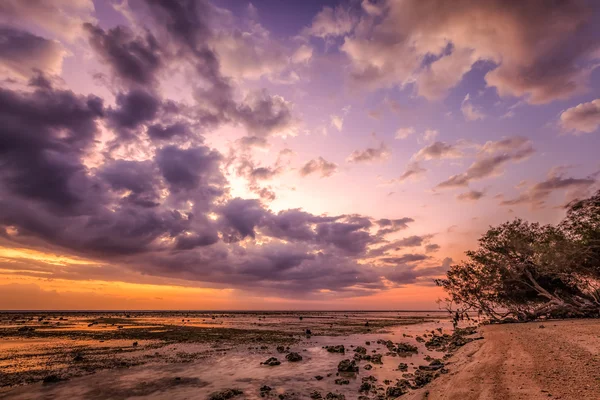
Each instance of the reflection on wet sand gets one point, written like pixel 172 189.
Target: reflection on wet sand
pixel 196 355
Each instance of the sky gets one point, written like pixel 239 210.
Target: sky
pixel 235 155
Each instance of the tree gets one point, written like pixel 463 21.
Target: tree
pixel 525 270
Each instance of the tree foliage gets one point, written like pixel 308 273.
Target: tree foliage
pixel 526 270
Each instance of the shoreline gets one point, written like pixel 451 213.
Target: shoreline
pixel 557 359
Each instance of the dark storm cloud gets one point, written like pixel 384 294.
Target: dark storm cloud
pixel 537 194
pixel 137 177
pixel 406 274
pixel 410 241
pixel 132 59
pixel 170 215
pixel 387 226
pixel 23 53
pixel 241 216
pixel 133 109
pixel 294 224
pixel 44 135
pixel 189 169
pixel 404 259
pixel 162 132
pixel 264 115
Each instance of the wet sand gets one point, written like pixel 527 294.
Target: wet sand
pixel 523 361
pixel 191 355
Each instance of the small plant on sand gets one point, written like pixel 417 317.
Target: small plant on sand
pixel 525 271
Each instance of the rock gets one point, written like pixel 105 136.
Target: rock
pixel 394 391
pixel 420 339
pixel 335 396
pixel 271 362
pixel 281 349
pixel 368 343
pixel 403 367
pixel 315 395
pixel 341 381
pixel 422 378
pixel 225 394
pixel 135 344
pixel 78 357
pixel 406 350
pixel 375 358
pixel 52 379
pixel 318 377
pixel 365 387
pixel 308 332
pixel 433 366
pixel 293 357
pixel 541 327
pixel 360 350
pixel 336 349
pixel 265 390
pixel 368 367
pixel 347 366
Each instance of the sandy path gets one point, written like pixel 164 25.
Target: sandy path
pixel 522 361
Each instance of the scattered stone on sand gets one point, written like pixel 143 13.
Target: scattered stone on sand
pixel 347 366
pixel 271 362
pixel 368 367
pixel 422 378
pixel 225 394
pixel 308 332
pixel 319 377
pixel 433 366
pixel 281 349
pixel 375 358
pixel 403 367
pixel 342 381
pixel 335 396
pixel 394 391
pixel 406 350
pixel 360 350
pixel 336 349
pixel 293 357
pixel 450 343
pixel 365 387
pixel 315 395
pixel 265 390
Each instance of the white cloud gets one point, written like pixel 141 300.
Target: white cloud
pixel 403 133
pixel 584 117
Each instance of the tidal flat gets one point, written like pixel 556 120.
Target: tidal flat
pixel 221 355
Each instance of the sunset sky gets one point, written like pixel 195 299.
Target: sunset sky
pixel 159 154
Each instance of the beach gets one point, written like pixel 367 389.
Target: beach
pixel 293 355
pixel 536 360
